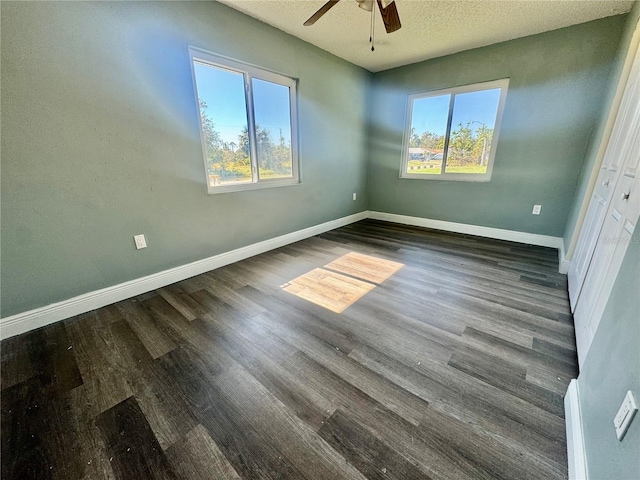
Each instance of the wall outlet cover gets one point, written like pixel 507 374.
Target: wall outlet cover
pixel 536 209
pixel 141 242
pixel 625 415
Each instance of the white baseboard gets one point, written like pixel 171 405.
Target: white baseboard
pixel 489 232
pixel 576 453
pixel 562 260
pixel 39 317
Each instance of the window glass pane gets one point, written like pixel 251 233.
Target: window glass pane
pixel 223 114
pixel 273 129
pixel 472 124
pixel 428 128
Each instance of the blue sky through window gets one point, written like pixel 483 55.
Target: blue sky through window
pixel 223 92
pixel 476 107
pixel 272 109
pixel 430 113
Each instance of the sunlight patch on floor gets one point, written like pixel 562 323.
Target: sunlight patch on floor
pixel 337 291
pixel 365 267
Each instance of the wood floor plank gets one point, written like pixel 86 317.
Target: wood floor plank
pixel 475 366
pixel 379 327
pixel 543 282
pixel 435 275
pixel 37 434
pixel 103 371
pixel 411 305
pixel 470 400
pixel 521 304
pixel 154 340
pixel 332 333
pixel 46 352
pixel 400 401
pixel 191 339
pixel 197 457
pixel 499 313
pixel 90 447
pixel 516 353
pixel 261 355
pixel 215 307
pixel 180 300
pixel 554 350
pixel 156 393
pixel 367 453
pixel 548 378
pixel 400 435
pixel 498 459
pixel 244 448
pixel 234 299
pixel 450 268
pixel 485 364
pixel 279 427
pixel 133 447
pixel 16 362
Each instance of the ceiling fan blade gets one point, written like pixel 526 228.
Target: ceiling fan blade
pixel 324 9
pixel 390 16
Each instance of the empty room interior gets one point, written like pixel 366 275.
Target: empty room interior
pixel 277 239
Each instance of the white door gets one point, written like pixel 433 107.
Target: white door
pixel 605 185
pixel 619 219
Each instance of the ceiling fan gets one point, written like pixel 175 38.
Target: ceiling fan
pixel 387 8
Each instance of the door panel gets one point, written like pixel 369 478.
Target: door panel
pixel 596 263
pixel 620 151
pixel 582 256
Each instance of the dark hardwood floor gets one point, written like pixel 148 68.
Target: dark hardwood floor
pixel 454 367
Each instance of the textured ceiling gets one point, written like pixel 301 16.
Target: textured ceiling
pixel 430 28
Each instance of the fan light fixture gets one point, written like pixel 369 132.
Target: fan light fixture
pixel 388 11
pixel 368 4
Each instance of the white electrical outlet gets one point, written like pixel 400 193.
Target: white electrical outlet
pixel 625 415
pixel 536 209
pixel 141 242
pixel 354 195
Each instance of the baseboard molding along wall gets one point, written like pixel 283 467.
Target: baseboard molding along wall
pixel 39 317
pixel 563 263
pixel 488 232
pixel 576 453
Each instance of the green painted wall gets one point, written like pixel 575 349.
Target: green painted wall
pixel 554 102
pixel 611 368
pixel 594 142
pixel 100 142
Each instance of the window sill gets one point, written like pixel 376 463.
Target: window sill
pixel 238 187
pixel 450 177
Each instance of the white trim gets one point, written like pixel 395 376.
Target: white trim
pixel 576 453
pixel 39 317
pixel 563 263
pixel 489 232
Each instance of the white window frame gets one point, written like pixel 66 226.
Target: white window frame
pixel 249 72
pixel 503 84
